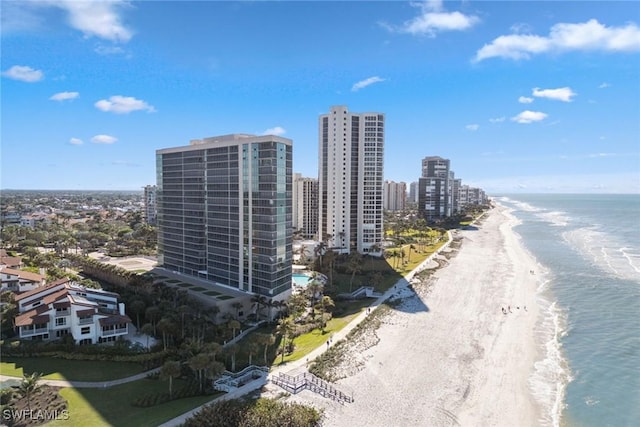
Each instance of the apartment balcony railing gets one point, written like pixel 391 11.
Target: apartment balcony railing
pixel 32 332
pixel 60 313
pixel 85 321
pixel 119 331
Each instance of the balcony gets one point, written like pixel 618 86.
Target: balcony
pixel 31 332
pixel 118 331
pixel 60 313
pixel 85 321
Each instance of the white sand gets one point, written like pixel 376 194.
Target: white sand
pixel 448 355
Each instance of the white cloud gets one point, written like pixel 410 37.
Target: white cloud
pixel 433 19
pixel 498 119
pixel 75 141
pixel 63 96
pixel 604 85
pixel 587 36
pixel 560 94
pixel 97 18
pixel 23 73
pixel 529 117
pixel 275 131
pixel 100 19
pixel 109 50
pixel 472 127
pixel 525 100
pixel 596 155
pixel 123 105
pixel 104 139
pixel 366 82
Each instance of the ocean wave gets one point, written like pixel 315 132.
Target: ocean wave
pixel 555 218
pixel 550 377
pixel 605 252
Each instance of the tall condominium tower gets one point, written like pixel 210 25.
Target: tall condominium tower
pixel 150 208
pixel 305 205
pixel 434 197
pixel 350 175
pixel 224 211
pixel 395 195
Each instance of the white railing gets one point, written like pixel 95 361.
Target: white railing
pixel 31 332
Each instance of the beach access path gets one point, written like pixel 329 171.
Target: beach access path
pixel 448 355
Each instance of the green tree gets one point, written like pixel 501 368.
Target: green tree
pixel 170 370
pixel 29 386
pixel 285 329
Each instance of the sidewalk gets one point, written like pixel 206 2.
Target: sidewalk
pixel 81 384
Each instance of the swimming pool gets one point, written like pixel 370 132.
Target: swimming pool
pixel 300 279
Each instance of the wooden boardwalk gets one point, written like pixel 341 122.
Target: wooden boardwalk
pixel 308 381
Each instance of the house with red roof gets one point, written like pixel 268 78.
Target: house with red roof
pixel 63 307
pixel 19 281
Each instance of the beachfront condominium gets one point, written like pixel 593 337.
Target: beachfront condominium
pixel 305 206
pixel 150 208
pixel 394 195
pixel 224 211
pixel 350 175
pixel 434 196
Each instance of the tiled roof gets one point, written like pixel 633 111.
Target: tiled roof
pixel 87 312
pixel 27 275
pixel 37 315
pixel 41 289
pixel 116 319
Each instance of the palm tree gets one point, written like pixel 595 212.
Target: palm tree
pixel 267 340
pixel 137 306
pixel 252 348
pixel 171 369
pixel 285 329
pixel 326 303
pixel 233 325
pixel 28 387
pixel 354 267
pixel 198 364
pixel 147 329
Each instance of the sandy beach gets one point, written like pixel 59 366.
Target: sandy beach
pixel 447 355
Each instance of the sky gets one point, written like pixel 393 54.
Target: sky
pixel 540 96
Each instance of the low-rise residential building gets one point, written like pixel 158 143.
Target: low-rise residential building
pixel 19 281
pixel 63 307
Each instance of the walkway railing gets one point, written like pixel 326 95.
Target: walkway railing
pixel 310 382
pixel 230 380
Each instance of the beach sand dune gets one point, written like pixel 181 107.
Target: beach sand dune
pixel 447 355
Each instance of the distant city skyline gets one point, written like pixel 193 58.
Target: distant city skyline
pixel 520 96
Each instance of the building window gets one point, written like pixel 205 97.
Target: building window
pixel 61 321
pixel 85 330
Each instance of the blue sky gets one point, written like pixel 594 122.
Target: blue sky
pixel 520 96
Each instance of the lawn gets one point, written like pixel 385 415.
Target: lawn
pixel 112 406
pixel 72 370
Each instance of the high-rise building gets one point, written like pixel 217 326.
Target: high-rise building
pixel 434 197
pixel 224 211
pixel 305 205
pixel 350 175
pixel 413 192
pixel 395 195
pixel 150 208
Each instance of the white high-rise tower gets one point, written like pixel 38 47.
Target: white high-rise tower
pixel 350 175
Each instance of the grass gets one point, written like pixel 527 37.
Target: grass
pixel 198 289
pixel 71 370
pixel 183 285
pixel 211 293
pixel 112 406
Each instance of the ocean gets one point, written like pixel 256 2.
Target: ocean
pixel 588 250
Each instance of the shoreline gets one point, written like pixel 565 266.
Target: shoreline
pixel 447 355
